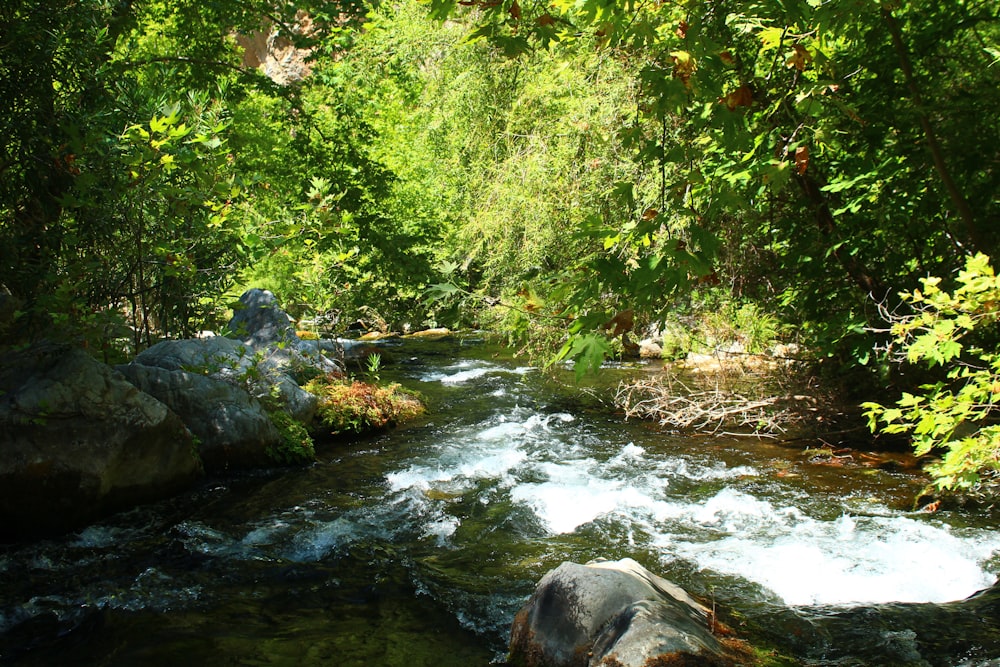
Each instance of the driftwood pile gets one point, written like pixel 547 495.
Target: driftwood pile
pixel 719 410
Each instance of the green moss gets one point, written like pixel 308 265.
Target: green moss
pixel 354 407
pixel 296 444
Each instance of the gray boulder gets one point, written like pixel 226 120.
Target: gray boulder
pixel 258 320
pixel 232 428
pixel 263 372
pixel 78 441
pixel 260 323
pixel 611 613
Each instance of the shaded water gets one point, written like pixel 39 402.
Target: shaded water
pixel 417 547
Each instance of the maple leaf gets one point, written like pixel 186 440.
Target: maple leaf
pixel 588 352
pixel 621 323
pixel 684 65
pixel 741 97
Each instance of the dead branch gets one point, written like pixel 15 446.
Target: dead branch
pixel 674 406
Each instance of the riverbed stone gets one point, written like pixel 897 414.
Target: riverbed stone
pixel 78 441
pixel 650 349
pixel 232 427
pixel 262 372
pixel 611 614
pixel 259 320
pixel 286 360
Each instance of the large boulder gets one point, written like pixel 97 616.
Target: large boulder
pixel 259 320
pixel 78 441
pixel 612 614
pixel 231 426
pixel 260 324
pixel 263 372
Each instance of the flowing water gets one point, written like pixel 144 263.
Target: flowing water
pixel 417 547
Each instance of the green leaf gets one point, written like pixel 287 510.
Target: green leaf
pixel 588 352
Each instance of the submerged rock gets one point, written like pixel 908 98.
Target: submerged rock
pixel 612 614
pixel 915 634
pixel 78 441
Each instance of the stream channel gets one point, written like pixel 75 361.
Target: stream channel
pixel 417 547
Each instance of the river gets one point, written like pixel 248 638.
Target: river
pixel 417 547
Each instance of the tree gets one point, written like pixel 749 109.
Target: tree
pixel 123 199
pixel 805 155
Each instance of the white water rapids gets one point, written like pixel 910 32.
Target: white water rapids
pixel 799 549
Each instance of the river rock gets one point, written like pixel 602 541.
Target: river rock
pixel 611 614
pixel 260 324
pixel 892 633
pixel 258 320
pixel 650 349
pixel 263 372
pixel 231 426
pixel 78 441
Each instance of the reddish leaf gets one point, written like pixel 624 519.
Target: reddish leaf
pixel 801 159
pixel 799 58
pixel 621 323
pixel 741 97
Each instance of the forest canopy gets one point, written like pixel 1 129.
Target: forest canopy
pixel 555 165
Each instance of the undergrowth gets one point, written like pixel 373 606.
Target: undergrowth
pixel 355 407
pixel 296 444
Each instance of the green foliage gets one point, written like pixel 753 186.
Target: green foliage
pixel 810 156
pixel 957 415
pixel 217 170
pixel 587 351
pixel 746 324
pixel 373 366
pixel 354 407
pixel 182 190
pixel 328 230
pixel 296 445
pixel 571 161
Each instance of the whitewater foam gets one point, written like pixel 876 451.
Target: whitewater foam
pixel 852 559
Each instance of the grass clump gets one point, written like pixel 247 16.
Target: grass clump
pixel 355 407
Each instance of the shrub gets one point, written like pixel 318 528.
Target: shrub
pixel 347 406
pixel 296 445
pixel 956 416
